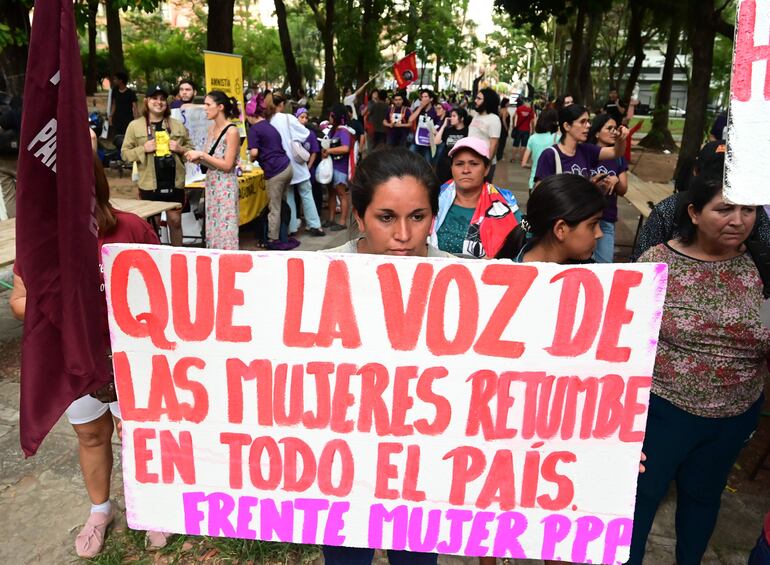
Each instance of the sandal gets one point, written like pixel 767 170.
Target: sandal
pixel 90 540
pixel 338 227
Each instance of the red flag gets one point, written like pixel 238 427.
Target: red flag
pixel 406 70
pixel 64 353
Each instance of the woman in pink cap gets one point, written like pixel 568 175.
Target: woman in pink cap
pixel 474 216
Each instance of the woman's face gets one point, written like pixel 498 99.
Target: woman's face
pixel 454 119
pixel 580 241
pixel 721 225
pixel 212 108
pixel 578 130
pixel 398 219
pixel 608 134
pixel 440 112
pixel 468 170
pixel 157 103
pixel 303 118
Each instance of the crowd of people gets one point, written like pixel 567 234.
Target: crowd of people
pixel 431 165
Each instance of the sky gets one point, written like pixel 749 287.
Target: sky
pixel 480 11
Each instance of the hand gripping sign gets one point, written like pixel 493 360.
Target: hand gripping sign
pixel 434 405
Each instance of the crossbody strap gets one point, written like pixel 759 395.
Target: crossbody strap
pixel 221 134
pixel 557 160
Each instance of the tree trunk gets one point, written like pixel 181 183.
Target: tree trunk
pixel 585 81
pixel 13 58
pixel 368 42
pixel 219 35
pixel 436 76
pixel 292 70
pixel 114 37
pixel 701 34
pixel 91 71
pixel 660 136
pixel 638 9
pixel 412 24
pixel 576 54
pixel 331 93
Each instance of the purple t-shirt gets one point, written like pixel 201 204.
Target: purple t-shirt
pixel 341 162
pixel 586 157
pixel 312 146
pixel 272 158
pixel 613 167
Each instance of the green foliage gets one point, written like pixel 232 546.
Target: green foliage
pixel 157 52
pixel 261 50
pixel 506 48
pixel 305 41
pixel 351 50
pixel 12 36
pixel 102 62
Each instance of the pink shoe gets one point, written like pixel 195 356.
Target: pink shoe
pixel 90 540
pixel 157 540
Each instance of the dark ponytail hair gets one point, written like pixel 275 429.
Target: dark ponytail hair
pixel 462 113
pixel 568 115
pixel 381 166
pixel 229 103
pixel 547 122
pixel 567 197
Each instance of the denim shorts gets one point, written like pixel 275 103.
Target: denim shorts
pixel 339 178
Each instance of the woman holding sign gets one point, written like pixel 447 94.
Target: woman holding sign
pixel 157 143
pixel 707 386
pixel 395 199
pixel 93 416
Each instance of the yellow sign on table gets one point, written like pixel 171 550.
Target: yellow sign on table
pixel 252 194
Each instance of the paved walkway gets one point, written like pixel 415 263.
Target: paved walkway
pixel 43 502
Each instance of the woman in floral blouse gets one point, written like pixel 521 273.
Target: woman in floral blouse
pixel 708 379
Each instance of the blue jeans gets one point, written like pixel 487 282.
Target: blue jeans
pixel 697 453
pixel 338 555
pixel 422 150
pixel 605 247
pixel 305 190
pixel 760 555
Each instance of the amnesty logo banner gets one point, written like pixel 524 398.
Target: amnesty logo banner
pixel 224 71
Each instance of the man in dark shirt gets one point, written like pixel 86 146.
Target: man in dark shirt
pixel 614 108
pixel 376 114
pixel 124 108
pixel 185 94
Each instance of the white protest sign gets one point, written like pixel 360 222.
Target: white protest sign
pixel 435 405
pixel 748 126
pixel 194 119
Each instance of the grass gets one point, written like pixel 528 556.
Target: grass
pixel 676 125
pixel 127 546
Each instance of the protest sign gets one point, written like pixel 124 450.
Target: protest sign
pixel 434 405
pixel 197 124
pixel 224 71
pixel 748 126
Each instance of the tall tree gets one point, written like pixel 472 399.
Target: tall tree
pixel 14 44
pixel 292 70
pixel 114 36
pixel 705 21
pixel 91 68
pixel 659 136
pixel 636 43
pixel 219 36
pixel 323 12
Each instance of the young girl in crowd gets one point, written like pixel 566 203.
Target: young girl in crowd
pixel 341 143
pixel 220 160
pixel 453 129
pixel 604 133
pixel 561 225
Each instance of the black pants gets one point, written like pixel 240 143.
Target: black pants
pixel 698 454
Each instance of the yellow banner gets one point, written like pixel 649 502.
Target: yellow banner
pixel 224 71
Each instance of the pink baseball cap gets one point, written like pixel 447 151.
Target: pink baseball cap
pixel 474 144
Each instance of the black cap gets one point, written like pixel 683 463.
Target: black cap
pixel 711 160
pixel 156 89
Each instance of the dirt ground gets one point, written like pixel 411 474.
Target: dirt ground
pixel 652 166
